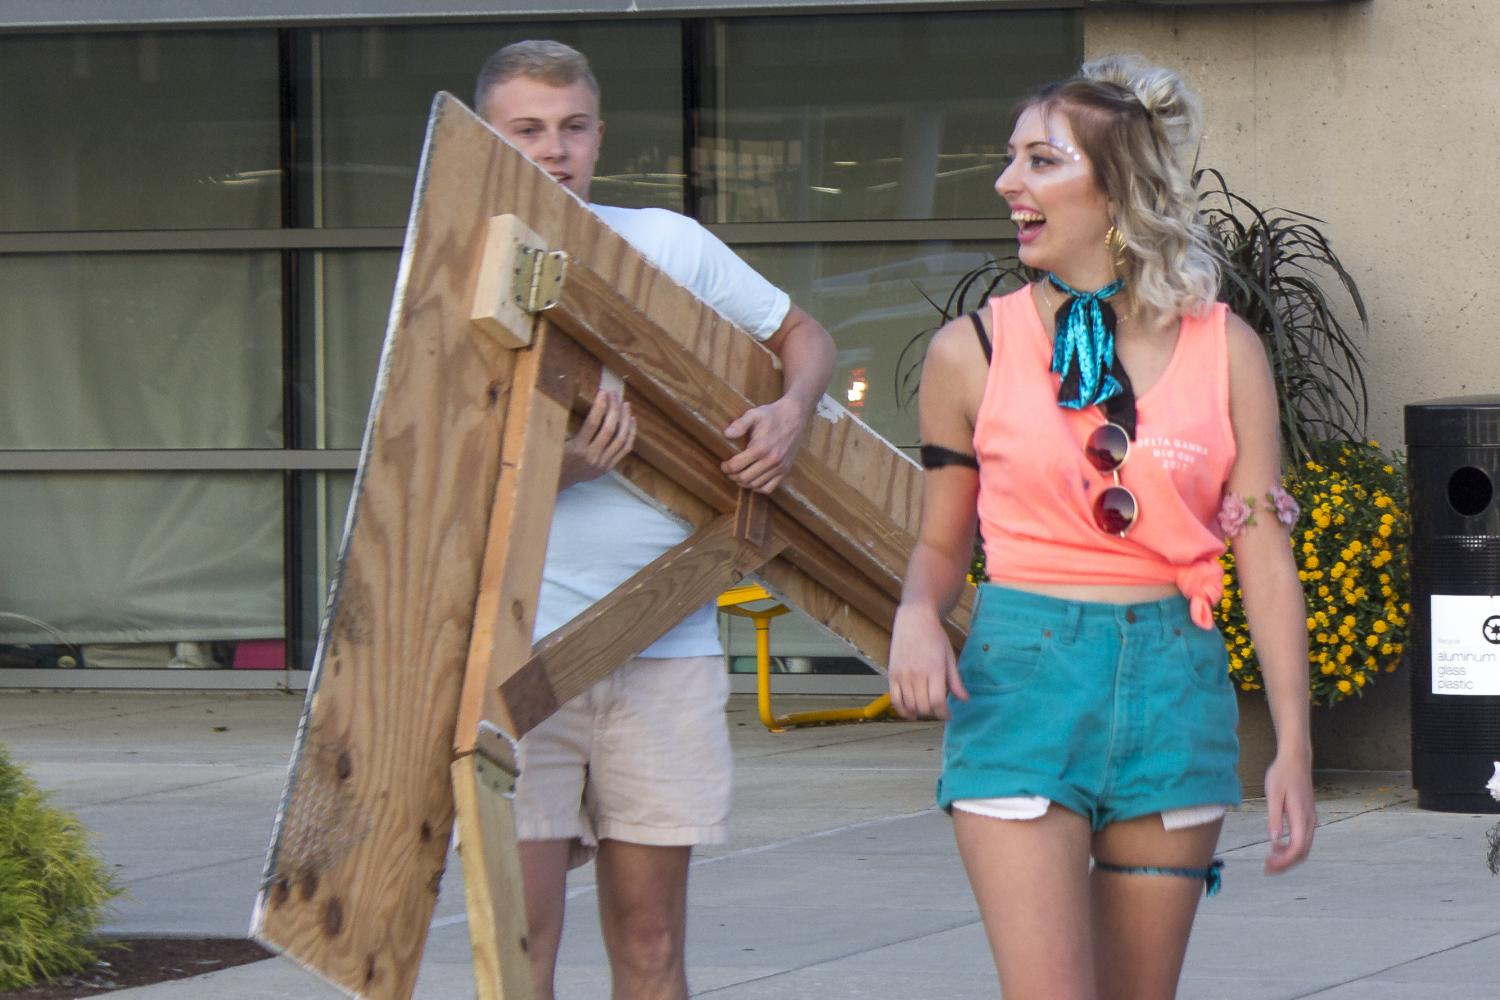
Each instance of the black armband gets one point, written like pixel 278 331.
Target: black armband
pixel 935 456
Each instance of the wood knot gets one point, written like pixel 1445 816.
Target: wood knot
pixel 518 610
pixel 426 832
pixel 370 969
pixel 344 767
pixel 492 393
pixel 333 917
pixel 309 885
pixel 352 616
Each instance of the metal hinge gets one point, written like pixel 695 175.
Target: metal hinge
pixel 538 278
pixel 495 759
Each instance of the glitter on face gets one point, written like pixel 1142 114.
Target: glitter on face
pixel 1067 149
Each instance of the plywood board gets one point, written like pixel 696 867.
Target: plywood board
pixel 428 627
pixel 361 840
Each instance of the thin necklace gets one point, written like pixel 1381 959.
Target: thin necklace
pixel 1045 286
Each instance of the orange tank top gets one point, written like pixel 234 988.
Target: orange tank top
pixel 1036 488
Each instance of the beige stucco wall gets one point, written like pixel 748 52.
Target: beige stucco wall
pixel 1381 117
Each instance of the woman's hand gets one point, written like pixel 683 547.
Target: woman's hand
pixel 923 671
pixel 1291 816
pixel 1275 607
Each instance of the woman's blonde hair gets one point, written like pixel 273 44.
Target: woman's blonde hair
pixel 1140 124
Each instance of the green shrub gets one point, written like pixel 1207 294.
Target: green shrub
pixel 53 889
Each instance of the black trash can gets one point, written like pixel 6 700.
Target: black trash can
pixel 1453 455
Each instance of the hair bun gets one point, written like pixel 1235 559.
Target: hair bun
pixel 1163 94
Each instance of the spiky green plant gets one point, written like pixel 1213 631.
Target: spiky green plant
pixel 1281 276
pixel 53 889
pixel 975 287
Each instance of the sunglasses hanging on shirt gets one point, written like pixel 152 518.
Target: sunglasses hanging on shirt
pixel 1115 507
pixel 1084 356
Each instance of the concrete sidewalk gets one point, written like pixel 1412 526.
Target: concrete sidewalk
pixel 841 880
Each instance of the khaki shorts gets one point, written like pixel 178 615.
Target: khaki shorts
pixel 642 756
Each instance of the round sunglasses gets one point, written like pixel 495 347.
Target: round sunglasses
pixel 1115 509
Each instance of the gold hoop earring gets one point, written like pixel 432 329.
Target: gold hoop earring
pixel 1115 241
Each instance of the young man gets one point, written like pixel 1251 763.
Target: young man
pixel 640 764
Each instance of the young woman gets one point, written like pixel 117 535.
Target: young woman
pixel 1109 427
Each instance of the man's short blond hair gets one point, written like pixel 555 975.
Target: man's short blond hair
pixel 550 62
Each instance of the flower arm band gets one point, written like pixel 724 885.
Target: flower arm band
pixel 1238 513
pixel 935 456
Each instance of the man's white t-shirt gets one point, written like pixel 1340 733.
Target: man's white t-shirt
pixel 602 532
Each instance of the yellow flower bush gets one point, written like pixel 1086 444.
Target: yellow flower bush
pixel 1350 547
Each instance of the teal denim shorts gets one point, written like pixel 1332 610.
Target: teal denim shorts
pixel 1111 710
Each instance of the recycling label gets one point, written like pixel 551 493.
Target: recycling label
pixel 1465 645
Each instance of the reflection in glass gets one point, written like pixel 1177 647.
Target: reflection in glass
pixel 131 130
pixel 887 116
pixel 322 510
pixel 139 569
pixel 346 298
pixel 870 298
pixel 799 645
pixel 160 350
pixel 369 89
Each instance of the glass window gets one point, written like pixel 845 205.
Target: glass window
pixel 347 302
pixel 881 116
pixel 795 118
pixel 159 350
pixel 799 645
pixel 370 89
pixel 157 130
pixel 322 505
pixel 140 569
pixel 869 296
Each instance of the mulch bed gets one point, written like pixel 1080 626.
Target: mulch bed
pixel 143 961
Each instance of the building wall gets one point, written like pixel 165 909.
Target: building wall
pixel 1378 117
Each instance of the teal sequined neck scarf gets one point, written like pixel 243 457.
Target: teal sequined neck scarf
pixel 1083 349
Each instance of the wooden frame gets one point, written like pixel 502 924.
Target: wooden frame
pixel 425 673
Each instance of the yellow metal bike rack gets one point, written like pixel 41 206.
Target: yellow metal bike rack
pixel 733 602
